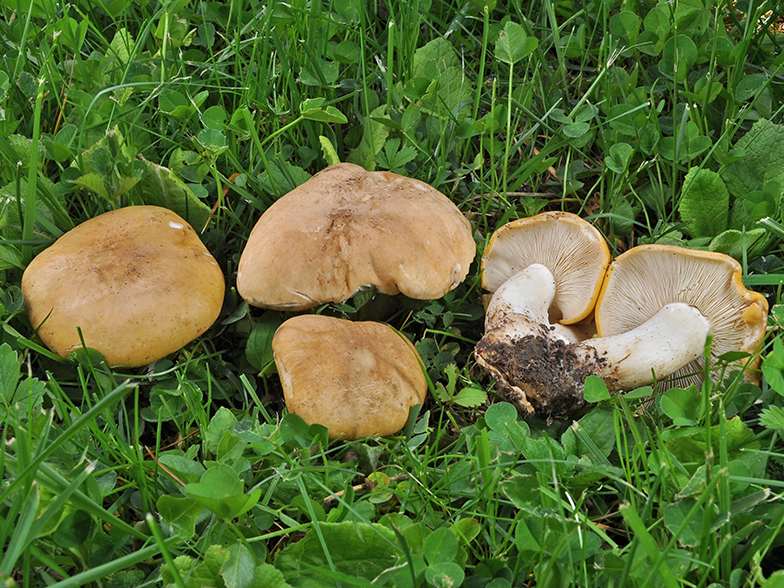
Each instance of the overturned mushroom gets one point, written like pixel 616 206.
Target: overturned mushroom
pixel 570 247
pixel 347 229
pixel 356 378
pixel 645 278
pixel 541 370
pixel 137 283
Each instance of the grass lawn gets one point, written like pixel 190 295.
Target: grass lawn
pixel 656 122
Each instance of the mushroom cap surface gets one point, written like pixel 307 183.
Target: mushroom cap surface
pixel 356 378
pixel 570 247
pixel 644 279
pixel 137 281
pixel 347 229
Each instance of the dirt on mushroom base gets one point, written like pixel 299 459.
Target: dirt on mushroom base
pixel 532 372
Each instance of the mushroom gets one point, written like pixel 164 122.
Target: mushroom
pixel 356 378
pixel 570 247
pixel 347 229
pixel 645 278
pixel 542 370
pixel 135 283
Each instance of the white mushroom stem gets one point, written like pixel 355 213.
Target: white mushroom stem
pixel 526 297
pixel 662 345
pixel 538 363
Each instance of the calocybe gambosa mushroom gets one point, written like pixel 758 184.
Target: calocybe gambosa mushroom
pixel 136 282
pixel 645 278
pixel 542 370
pixel 357 379
pixel 347 229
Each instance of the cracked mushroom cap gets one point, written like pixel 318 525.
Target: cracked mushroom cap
pixel 644 279
pixel 570 247
pixel 347 229
pixel 137 282
pixel 357 379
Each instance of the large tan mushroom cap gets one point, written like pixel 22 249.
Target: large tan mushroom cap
pixel 346 229
pixel 571 248
pixel 356 378
pixel 137 282
pixel 644 279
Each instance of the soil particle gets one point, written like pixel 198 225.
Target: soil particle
pixel 536 373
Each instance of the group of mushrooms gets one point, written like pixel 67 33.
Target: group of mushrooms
pixel 137 284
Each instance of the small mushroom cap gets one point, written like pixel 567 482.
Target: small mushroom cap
pixel 137 282
pixel 356 378
pixel 347 229
pixel 570 247
pixel 644 279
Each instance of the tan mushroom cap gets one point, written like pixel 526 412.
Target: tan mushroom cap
pixel 570 247
pixel 137 282
pixel 644 279
pixel 347 229
pixel 357 379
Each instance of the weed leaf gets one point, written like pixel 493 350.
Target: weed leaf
pixel 704 203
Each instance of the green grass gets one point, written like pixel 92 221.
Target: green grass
pixel 630 113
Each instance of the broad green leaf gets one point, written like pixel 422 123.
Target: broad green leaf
pixel 222 421
pixel 374 136
pixel 240 569
pixel 281 177
pixel 576 130
pixel 205 574
pixel 513 44
pixel 470 397
pixel 674 516
pixel 179 515
pixel 773 367
pixel 595 389
pixel 682 406
pixel 319 72
pixel 214 118
pixel 754 206
pixel 448 91
pixel 440 546
pixel 444 575
pixel 122 45
pixel 620 155
pixel 466 530
pixel 73 529
pixel 625 25
pixel 704 204
pixel 330 114
pixel 93 181
pixel 160 187
pixel 593 436
pixel 221 491
pixel 268 576
pixel 691 450
pixel 734 243
pixel 9 373
pixel 762 162
pixel 356 549
pixel 258 349
pixel 502 418
pixel 772 417
pixel 678 57
pixel 749 86
pixel 530 534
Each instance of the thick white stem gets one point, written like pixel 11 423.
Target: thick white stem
pixel 672 338
pixel 524 301
pixel 529 292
